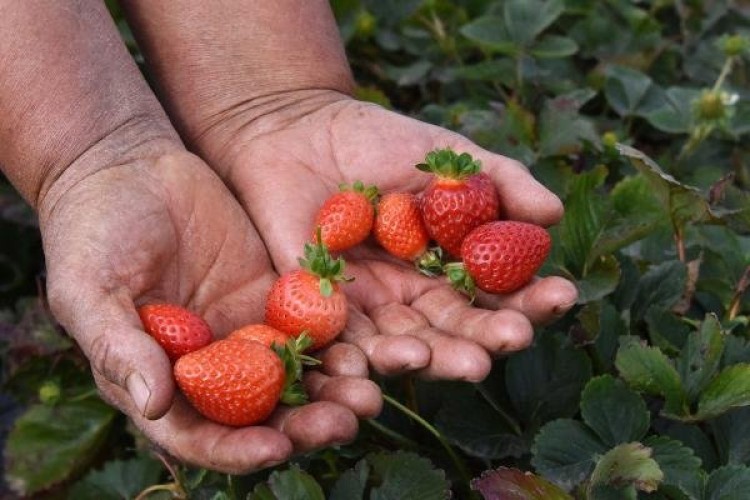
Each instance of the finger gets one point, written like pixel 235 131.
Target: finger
pixel 452 358
pixel 107 328
pixel 316 425
pixel 522 197
pixel 360 395
pixel 388 355
pixel 342 359
pixel 500 331
pixel 194 440
pixel 542 301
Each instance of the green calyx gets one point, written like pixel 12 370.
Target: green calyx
pixel 370 192
pixel 319 262
pixel 294 360
pixel 460 279
pixel 430 263
pixel 449 164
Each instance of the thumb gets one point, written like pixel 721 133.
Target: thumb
pixel 108 329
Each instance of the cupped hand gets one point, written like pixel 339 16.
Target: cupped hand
pixel 287 155
pixel 167 229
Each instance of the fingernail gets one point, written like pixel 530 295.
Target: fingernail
pixel 139 391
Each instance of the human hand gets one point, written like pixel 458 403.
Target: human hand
pixel 292 151
pixel 164 228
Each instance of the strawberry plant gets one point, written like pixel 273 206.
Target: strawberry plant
pixel 637 115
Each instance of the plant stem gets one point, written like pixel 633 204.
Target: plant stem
pixel 460 466
pixel 403 441
pixel 174 488
pixel 725 70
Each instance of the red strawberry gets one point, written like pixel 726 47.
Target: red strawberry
pixel 345 219
pixel 458 199
pixel 237 382
pixel 309 300
pixel 500 256
pixel 264 334
pixel 399 227
pixel 177 330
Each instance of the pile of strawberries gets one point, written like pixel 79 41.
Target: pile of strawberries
pixel 240 379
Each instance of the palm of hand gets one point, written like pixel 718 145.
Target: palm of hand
pixel 283 175
pixel 167 231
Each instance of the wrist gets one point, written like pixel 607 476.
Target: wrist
pixel 128 143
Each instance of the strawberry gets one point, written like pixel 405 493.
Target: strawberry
pixel 399 227
pixel 345 219
pixel 238 382
pixel 500 257
pixel 177 330
pixel 458 199
pixel 309 299
pixel 264 334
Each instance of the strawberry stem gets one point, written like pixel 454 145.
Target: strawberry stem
pixel 449 164
pixel 370 192
pixel 430 263
pixel 291 355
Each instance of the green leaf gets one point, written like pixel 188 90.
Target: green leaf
pixel 601 279
pixel 682 469
pixel 500 70
pixel 481 432
pixel 628 464
pixel 513 484
pixel 731 482
pixel 700 358
pixel 617 414
pixel 49 444
pixel 352 483
pixel 732 435
pixel 729 389
pixel 647 369
pixel 405 476
pixel 661 286
pixel 562 129
pixel 118 479
pixel 565 452
pixel 626 89
pixel 412 74
pixel 674 113
pixel 290 484
pixel 545 381
pixel 526 19
pixel 553 47
pixel 490 31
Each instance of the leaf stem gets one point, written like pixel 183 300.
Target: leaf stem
pixel 460 465
pixel 399 438
pixel 174 488
pixel 725 70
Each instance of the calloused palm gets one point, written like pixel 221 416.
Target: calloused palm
pixel 283 163
pixel 167 229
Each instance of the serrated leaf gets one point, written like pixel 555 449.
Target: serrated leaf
pixel 406 476
pixel 647 369
pixel 481 432
pixel 628 464
pixel 614 412
pixel 351 484
pixel 565 452
pixel 562 129
pixel 48 444
pixel 526 19
pixel 626 89
pixel 674 113
pixel 601 279
pixel 661 286
pixel 118 479
pixel 513 484
pixel 666 330
pixel 731 482
pixel 545 381
pixel 732 435
pixel 490 31
pixel 729 389
pixel 681 467
pixel 290 484
pixel 553 47
pixel 700 358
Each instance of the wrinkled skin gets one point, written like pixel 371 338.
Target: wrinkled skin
pixel 167 229
pixel 283 155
